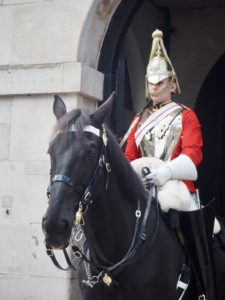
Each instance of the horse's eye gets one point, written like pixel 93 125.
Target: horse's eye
pixel 91 150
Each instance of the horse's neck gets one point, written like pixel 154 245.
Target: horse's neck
pixel 112 214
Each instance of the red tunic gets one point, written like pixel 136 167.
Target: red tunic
pixel 190 142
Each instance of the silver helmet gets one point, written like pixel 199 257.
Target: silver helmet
pixel 159 66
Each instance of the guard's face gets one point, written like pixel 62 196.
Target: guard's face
pixel 161 92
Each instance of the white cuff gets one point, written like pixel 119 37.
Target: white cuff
pixel 182 167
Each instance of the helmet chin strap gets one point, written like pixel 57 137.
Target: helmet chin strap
pixel 160 91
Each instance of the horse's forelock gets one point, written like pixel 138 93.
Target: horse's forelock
pixel 77 117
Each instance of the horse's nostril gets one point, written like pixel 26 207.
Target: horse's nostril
pixel 58 226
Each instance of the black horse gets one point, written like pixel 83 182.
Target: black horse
pixel 133 253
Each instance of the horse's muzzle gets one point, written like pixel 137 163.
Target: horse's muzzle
pixel 56 233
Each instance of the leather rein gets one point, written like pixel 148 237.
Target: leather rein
pixel 105 273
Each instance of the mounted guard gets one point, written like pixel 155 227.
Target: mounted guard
pixel 171 132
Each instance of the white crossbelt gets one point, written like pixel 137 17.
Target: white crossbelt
pixel 136 119
pixel 154 119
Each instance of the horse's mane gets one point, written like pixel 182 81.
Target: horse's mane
pixel 125 173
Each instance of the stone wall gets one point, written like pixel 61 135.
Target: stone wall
pixel 38 58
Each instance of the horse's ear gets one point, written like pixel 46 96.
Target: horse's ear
pixel 102 114
pixel 59 107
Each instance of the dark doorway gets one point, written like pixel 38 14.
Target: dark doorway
pixel 112 62
pixel 210 108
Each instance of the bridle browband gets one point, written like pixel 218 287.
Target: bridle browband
pixel 105 273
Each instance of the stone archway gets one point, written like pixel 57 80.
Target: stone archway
pixel 210 107
pixel 101 43
pixel 124 55
pixel 116 41
pixel 113 60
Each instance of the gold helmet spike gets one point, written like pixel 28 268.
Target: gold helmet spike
pixel 159 66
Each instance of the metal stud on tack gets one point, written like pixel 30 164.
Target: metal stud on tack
pixel 107 279
pixel 79 217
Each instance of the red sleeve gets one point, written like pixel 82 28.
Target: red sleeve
pixel 131 150
pixel 190 142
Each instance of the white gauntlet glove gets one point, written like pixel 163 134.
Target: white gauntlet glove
pixel 181 167
pixel 159 176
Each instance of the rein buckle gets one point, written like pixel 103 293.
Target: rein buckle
pixel 49 252
pixel 77 254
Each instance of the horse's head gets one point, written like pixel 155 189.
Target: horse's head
pixel 75 148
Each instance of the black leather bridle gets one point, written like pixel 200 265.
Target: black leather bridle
pixel 84 202
pixel 86 192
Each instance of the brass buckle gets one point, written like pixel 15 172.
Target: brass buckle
pixel 79 217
